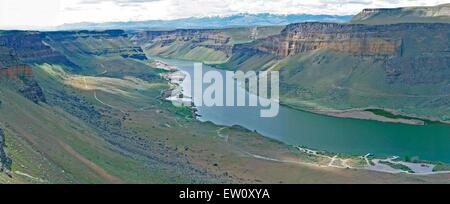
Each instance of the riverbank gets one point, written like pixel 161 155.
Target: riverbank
pixel 392 165
pixel 370 113
pixel 175 93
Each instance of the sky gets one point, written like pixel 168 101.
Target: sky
pixel 48 13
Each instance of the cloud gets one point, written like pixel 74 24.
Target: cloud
pixel 122 3
pixel 73 11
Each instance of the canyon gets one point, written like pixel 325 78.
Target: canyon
pixel 94 110
pixel 403 55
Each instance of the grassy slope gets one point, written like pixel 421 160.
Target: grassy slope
pixel 406 15
pixel 61 143
pixel 185 50
pixel 202 146
pixel 393 19
pixel 54 146
pixel 154 142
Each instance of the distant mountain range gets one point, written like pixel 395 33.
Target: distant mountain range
pixel 238 20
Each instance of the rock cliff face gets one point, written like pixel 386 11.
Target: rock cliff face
pixel 5 161
pixel 98 43
pixel 358 40
pixel 21 75
pixel 11 67
pixel 30 47
pixel 197 36
pixel 412 53
pixel 33 91
pixel 213 39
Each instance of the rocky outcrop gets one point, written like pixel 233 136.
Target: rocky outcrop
pixel 10 66
pixel 357 40
pixel 212 39
pixel 5 161
pixel 98 43
pixel 352 39
pixel 196 36
pixel 32 91
pixel 30 47
pixel 22 76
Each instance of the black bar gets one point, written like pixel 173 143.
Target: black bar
pixel 221 193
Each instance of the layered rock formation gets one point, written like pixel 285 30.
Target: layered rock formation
pixel 11 67
pixel 30 47
pixel 212 39
pixel 21 75
pixel 98 43
pixel 358 40
pixel 196 36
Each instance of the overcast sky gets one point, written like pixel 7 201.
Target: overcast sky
pixel 47 13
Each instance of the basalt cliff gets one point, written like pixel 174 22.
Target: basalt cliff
pixel 346 38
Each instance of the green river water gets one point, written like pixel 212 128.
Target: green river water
pixel 338 135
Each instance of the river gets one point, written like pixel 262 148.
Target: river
pixel 339 135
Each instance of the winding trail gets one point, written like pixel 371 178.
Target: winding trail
pixel 219 133
pixel 91 165
pixel 95 93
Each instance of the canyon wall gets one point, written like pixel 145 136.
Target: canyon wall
pixel 357 40
pixel 7 57
pixel 30 47
pixel 217 40
pixel 12 69
pixel 194 35
pixel 98 43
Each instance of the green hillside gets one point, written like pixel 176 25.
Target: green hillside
pixel 414 81
pixel 202 45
